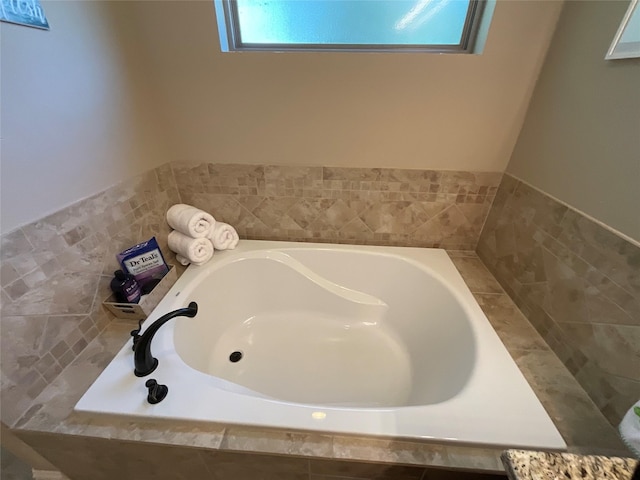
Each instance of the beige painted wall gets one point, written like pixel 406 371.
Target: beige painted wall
pixel 581 138
pixel 76 113
pixel 116 88
pixel 344 109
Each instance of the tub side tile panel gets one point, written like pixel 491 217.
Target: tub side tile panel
pixel 277 442
pixel 457 475
pixel 229 465
pixel 363 470
pixel 577 283
pixel 90 458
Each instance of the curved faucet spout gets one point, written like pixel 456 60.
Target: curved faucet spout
pixel 144 361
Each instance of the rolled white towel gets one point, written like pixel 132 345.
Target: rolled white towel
pixel 190 221
pixel 192 250
pixel 224 236
pixel 629 429
pixel 182 260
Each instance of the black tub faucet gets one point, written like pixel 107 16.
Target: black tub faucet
pixel 144 361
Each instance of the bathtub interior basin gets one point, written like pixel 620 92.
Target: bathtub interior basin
pixel 334 333
pixel 366 340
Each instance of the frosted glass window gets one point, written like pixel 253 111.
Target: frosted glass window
pixel 433 25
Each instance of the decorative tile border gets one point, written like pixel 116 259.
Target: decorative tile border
pixel 577 282
pixel 378 206
pixel 55 272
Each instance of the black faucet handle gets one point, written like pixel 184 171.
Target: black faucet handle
pixel 136 335
pixel 157 392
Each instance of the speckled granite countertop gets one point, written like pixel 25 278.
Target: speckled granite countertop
pixel 582 425
pixel 528 465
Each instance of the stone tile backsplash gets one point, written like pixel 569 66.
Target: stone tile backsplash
pixel 378 206
pixel 577 282
pixel 55 272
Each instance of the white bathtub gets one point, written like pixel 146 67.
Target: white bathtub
pixel 335 338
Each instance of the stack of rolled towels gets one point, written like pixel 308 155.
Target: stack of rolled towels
pixel 196 234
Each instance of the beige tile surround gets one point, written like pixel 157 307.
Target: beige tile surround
pixel 55 272
pixel 380 206
pixel 577 283
pixel 60 347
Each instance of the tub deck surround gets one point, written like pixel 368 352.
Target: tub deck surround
pixel 577 282
pixel 343 313
pixel 77 443
pixel 375 206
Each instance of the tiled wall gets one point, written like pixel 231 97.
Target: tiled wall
pixel 577 282
pixel 349 205
pixel 55 273
pixel 12 468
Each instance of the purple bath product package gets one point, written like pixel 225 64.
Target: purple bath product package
pixel 145 262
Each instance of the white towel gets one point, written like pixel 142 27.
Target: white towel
pixel 629 429
pixel 192 250
pixel 190 221
pixel 224 236
pixel 183 261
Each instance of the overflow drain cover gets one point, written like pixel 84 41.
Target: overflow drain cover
pixel 235 356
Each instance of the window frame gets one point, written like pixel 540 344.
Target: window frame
pixel 234 43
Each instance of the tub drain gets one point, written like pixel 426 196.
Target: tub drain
pixel 235 356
